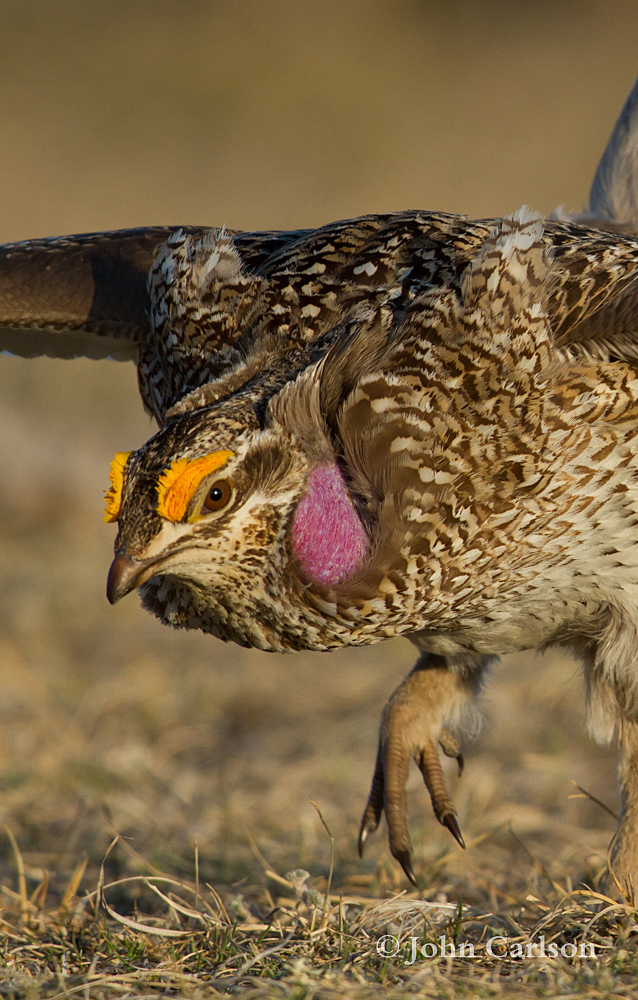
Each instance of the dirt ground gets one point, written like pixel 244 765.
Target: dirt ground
pixel 259 114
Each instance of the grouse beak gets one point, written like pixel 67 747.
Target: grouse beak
pixel 126 574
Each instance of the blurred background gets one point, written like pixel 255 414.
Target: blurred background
pixel 264 114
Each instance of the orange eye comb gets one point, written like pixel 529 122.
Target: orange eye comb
pixel 176 486
pixel 113 495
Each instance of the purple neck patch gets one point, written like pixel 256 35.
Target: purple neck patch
pixel 328 537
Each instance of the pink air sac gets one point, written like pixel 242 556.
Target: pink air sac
pixel 328 537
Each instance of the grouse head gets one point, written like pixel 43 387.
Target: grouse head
pixel 226 522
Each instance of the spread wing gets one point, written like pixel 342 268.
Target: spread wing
pixel 87 295
pixel 192 305
pixel 77 296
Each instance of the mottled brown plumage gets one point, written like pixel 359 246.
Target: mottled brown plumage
pixel 463 394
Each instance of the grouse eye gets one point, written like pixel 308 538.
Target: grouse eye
pixel 218 495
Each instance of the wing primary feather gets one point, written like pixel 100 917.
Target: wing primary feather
pixel 78 296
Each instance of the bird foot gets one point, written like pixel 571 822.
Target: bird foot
pixel 410 731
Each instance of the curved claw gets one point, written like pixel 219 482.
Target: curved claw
pixel 405 860
pixel 452 824
pixel 388 790
pixel 374 807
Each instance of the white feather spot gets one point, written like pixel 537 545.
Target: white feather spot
pixel 310 310
pixel 368 268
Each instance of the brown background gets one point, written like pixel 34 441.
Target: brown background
pixel 257 114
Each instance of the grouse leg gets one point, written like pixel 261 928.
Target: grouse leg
pixel 411 729
pixel 624 853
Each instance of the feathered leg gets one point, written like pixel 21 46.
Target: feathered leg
pixel 624 854
pixel 612 708
pixel 436 690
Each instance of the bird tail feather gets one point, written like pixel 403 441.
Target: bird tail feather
pixel 613 199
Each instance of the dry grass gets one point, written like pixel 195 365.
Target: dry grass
pixel 259 114
pixel 295 936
